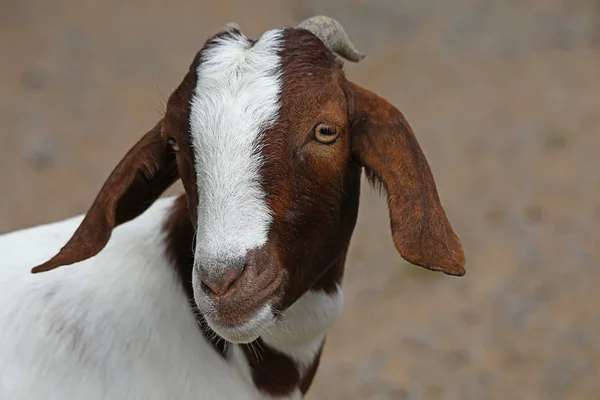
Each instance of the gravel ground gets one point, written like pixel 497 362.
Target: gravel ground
pixel 504 97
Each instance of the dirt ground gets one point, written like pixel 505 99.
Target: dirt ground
pixel 504 97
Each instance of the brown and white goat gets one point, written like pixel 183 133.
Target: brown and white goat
pixel 225 292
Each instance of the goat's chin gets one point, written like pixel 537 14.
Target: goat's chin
pixel 246 332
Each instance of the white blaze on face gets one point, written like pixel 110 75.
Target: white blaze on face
pixel 236 98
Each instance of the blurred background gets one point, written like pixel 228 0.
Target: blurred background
pixel 504 97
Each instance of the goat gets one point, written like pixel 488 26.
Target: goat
pixel 226 291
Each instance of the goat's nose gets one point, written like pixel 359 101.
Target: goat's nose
pixel 219 284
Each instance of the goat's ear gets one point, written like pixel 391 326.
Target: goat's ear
pixel 384 144
pixel 145 172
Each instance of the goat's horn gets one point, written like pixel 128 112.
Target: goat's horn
pixel 231 26
pixel 332 34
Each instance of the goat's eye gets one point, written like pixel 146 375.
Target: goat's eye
pixel 326 133
pixel 173 144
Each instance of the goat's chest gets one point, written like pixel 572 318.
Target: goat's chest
pixel 121 327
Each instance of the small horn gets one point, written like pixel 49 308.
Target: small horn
pixel 232 26
pixel 332 34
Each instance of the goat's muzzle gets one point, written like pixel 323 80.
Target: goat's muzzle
pixel 239 296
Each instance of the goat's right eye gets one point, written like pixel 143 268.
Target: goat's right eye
pixel 326 133
pixel 173 144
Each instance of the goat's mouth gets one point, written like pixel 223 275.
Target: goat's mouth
pixel 243 315
pixel 243 332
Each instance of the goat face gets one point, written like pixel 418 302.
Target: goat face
pixel 269 139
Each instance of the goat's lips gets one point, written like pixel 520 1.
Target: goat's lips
pixel 248 330
pixel 232 315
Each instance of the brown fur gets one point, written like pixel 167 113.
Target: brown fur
pixel 384 143
pixel 141 177
pixel 273 372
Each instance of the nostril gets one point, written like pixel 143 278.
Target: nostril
pixel 221 283
pixel 205 288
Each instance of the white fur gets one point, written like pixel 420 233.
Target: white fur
pixel 119 326
pixel 236 98
pixel 116 326
pixel 300 331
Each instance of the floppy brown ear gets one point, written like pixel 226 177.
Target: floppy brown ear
pixel 145 172
pixel 385 145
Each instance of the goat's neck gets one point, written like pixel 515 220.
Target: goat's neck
pixel 283 362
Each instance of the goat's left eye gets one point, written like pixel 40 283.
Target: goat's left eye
pixel 173 144
pixel 326 133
